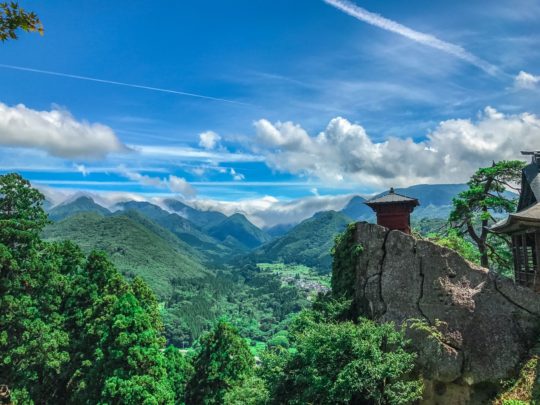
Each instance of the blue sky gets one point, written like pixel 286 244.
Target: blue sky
pixel 302 99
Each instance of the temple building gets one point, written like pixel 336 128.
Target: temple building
pixel 524 226
pixel 394 210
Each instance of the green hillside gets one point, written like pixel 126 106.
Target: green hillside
pixel 308 243
pixel 184 229
pixel 279 230
pixel 238 233
pixel 136 247
pixel 81 204
pixel 192 297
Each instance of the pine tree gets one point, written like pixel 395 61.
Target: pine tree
pixel 222 363
pixel 179 370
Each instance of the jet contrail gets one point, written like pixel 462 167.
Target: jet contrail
pixel 135 86
pixel 426 39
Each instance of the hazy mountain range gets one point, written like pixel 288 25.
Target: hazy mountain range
pixel 197 238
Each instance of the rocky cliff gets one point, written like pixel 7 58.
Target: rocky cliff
pixel 470 327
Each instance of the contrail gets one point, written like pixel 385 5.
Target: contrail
pixel 135 86
pixel 425 39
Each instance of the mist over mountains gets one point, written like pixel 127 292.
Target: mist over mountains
pixel 178 235
pixel 276 217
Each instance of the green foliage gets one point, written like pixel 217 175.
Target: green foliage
pixel 72 330
pixel 345 253
pixel 251 391
pixel 474 209
pixel 309 243
pixel 280 340
pixel 13 17
pixel 223 362
pixel 454 240
pixel 179 370
pixel 340 363
pixel 130 359
pixel 133 246
pixel 191 297
pixel 21 214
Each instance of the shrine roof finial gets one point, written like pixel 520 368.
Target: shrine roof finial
pixel 392 198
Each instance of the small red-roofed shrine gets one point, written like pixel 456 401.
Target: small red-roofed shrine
pixel 394 210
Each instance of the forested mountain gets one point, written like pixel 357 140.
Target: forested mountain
pixel 202 219
pixel 135 245
pixel 193 294
pixel 80 204
pixel 308 243
pixel 357 210
pixel 184 229
pixel 279 230
pixel 237 232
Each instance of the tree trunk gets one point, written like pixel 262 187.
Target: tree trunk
pixel 484 262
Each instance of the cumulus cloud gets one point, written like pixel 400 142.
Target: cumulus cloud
pixel 526 80
pixel 344 152
pixel 209 140
pixel 56 132
pixel 173 183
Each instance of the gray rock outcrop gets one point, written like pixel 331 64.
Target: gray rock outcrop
pixel 480 325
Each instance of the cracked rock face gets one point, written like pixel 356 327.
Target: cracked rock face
pixel 487 323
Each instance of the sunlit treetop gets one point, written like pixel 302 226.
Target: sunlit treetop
pixel 14 18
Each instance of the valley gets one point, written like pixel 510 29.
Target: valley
pixel 203 265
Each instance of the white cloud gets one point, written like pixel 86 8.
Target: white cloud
pixel 199 171
pixel 426 39
pixel 264 212
pixel 173 183
pixel 526 80
pixel 236 176
pixel 209 140
pixel 181 186
pixel 81 169
pixel 269 211
pixel 56 132
pixel 345 153
pixel 186 153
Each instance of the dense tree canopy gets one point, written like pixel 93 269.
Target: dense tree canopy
pixel 72 330
pixel 224 361
pixel 345 363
